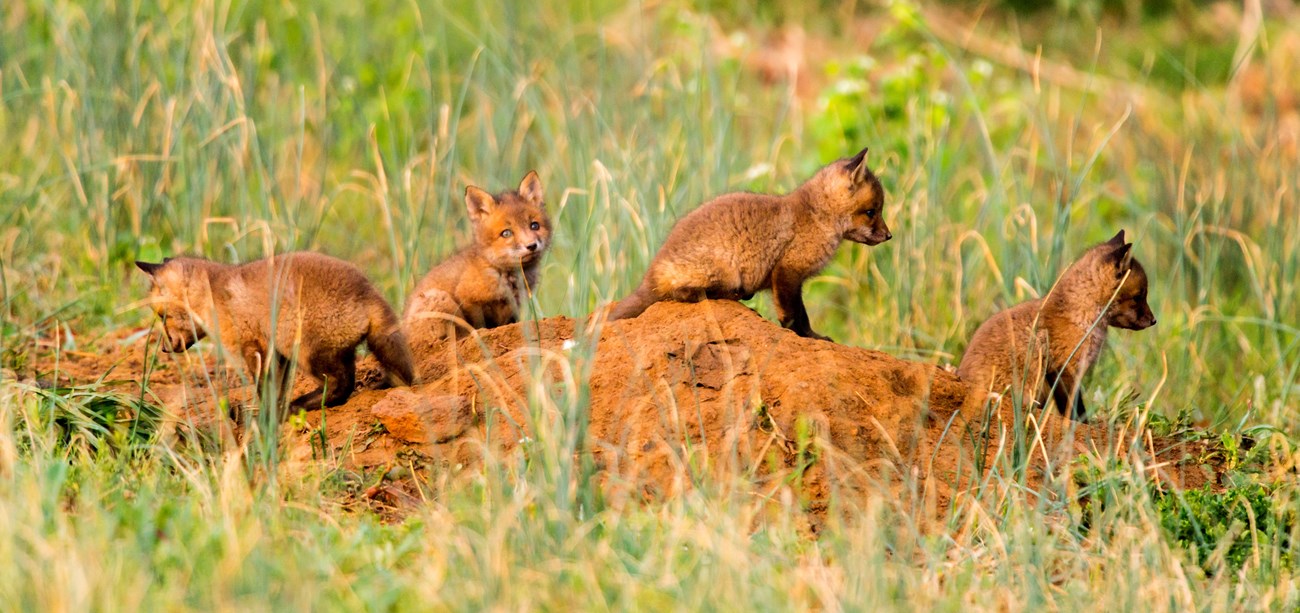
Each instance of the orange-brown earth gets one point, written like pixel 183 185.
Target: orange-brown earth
pixel 682 394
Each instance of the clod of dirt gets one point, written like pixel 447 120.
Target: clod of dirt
pixel 416 418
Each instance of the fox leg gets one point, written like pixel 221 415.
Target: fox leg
pixel 344 376
pixel 1067 394
pixel 285 376
pixel 727 285
pixel 258 364
pixel 337 373
pixel 787 293
pixel 687 294
pixel 728 293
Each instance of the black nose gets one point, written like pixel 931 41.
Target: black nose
pixel 534 245
pixel 889 235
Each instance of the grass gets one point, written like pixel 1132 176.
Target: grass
pixel 234 129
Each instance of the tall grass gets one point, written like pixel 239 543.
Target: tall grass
pixel 234 129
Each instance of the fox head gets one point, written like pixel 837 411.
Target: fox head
pixel 511 227
pixel 851 194
pixel 178 293
pixel 1107 270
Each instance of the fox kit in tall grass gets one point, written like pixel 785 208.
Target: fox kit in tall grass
pixel 740 243
pixel 1049 344
pixel 486 282
pixel 321 308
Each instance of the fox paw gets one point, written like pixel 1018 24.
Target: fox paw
pixel 814 335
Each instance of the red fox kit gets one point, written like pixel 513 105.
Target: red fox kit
pixel 486 282
pixel 1050 343
pixel 740 243
pixel 323 307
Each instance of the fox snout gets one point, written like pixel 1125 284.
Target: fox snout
pixel 176 345
pixel 869 236
pixel 531 250
pixel 1146 321
pixel 177 339
pixel 1142 319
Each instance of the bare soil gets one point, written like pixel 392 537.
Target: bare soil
pixel 683 395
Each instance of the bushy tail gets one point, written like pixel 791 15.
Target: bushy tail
pixel 635 304
pixel 388 343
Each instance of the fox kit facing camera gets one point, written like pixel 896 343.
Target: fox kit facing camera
pixel 1049 344
pixel 486 282
pixel 737 244
pixel 323 307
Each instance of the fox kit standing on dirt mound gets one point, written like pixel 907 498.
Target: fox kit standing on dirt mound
pixel 486 283
pixel 739 243
pixel 323 308
pixel 1050 343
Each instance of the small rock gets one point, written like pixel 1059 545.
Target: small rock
pixel 413 418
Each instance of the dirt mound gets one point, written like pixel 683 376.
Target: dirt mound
pixel 680 395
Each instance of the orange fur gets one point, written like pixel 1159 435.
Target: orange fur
pixel 485 283
pixel 322 309
pixel 1047 345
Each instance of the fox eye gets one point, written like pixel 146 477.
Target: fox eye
pixel 507 233
pixel 871 212
pixel 534 226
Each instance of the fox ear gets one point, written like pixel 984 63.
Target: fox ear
pixel 1121 258
pixel 478 203
pixel 1116 240
pixel 149 268
pixel 858 165
pixel 531 188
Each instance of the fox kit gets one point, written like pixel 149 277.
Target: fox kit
pixel 323 308
pixel 737 244
pixel 485 283
pixel 1050 343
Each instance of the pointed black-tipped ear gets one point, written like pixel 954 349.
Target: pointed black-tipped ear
pixel 1121 258
pixel 1116 240
pixel 531 188
pixel 858 159
pixel 149 268
pixel 858 165
pixel 478 202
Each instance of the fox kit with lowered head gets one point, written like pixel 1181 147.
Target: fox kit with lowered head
pixel 740 243
pixel 307 305
pixel 485 283
pixel 1049 344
